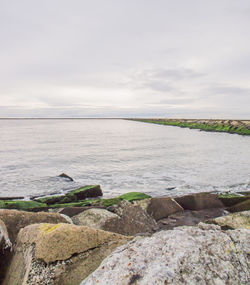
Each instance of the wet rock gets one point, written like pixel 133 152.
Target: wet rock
pixel 59 254
pixel 199 201
pixel 190 218
pixel 186 255
pixel 132 220
pixel 63 175
pixel 230 200
pixel 16 220
pixel 88 191
pixel 33 206
pixel 243 206
pixel 162 207
pixel 239 220
pixel 95 218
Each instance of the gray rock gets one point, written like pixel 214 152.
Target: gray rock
pixel 94 218
pixel 238 220
pixel 186 255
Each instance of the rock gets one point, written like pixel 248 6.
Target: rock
pixel 12 198
pixel 23 205
pixel 162 207
pixel 73 211
pixel 59 254
pixel 243 206
pixel 190 218
pixel 16 220
pixel 63 175
pixel 186 255
pixel 199 201
pixel 132 220
pixel 5 250
pixel 230 200
pixel 142 203
pixel 134 196
pixel 239 220
pixel 95 218
pixel 88 191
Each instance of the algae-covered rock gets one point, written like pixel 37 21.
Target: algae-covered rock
pixel 162 207
pixel 199 201
pixel 186 255
pixel 59 254
pixel 88 191
pixel 133 196
pixel 239 220
pixel 243 206
pixel 22 205
pixel 94 218
pixel 16 220
pixel 229 199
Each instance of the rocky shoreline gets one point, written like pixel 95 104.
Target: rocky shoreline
pixel 240 127
pixel 81 238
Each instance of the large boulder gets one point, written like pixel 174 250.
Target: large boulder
pixel 162 207
pixel 239 220
pixel 230 200
pixel 126 219
pixel 16 220
pixel 59 254
pixel 73 211
pixel 95 218
pixel 186 255
pixel 199 201
pixel 131 220
pixel 243 206
pixel 5 249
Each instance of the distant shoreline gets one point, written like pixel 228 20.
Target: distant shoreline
pixel 240 127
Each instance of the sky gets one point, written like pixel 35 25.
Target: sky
pixel 125 58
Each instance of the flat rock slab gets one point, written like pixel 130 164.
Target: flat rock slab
pixel 199 201
pixel 243 206
pixel 190 218
pixel 73 211
pixel 16 220
pixel 186 255
pixel 162 207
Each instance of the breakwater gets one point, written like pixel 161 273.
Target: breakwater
pixel 240 127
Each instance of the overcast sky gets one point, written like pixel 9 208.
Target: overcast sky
pixel 125 58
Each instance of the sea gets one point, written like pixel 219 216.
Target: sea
pixel 120 155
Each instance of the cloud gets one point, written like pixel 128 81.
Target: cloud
pixel 124 58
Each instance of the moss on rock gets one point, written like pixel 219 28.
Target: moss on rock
pixel 23 205
pixel 133 196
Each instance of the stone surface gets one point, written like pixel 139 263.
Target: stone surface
pixel 63 175
pixel 243 206
pixel 162 207
pixel 239 220
pixel 231 201
pixel 142 203
pixel 186 255
pixel 132 220
pixel 5 249
pixel 190 218
pixel 59 254
pixel 73 211
pixel 199 201
pixel 94 218
pixel 16 220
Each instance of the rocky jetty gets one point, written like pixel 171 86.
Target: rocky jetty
pixel 130 239
pixel 241 127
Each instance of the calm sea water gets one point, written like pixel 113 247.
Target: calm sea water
pixel 120 155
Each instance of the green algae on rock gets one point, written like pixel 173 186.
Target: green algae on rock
pixel 240 127
pixel 133 196
pixel 23 205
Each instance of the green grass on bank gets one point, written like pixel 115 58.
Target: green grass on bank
pixel 213 127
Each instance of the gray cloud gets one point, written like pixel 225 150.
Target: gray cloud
pixel 124 58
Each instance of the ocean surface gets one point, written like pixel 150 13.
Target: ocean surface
pixel 121 156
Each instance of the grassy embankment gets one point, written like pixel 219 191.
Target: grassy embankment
pixel 240 127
